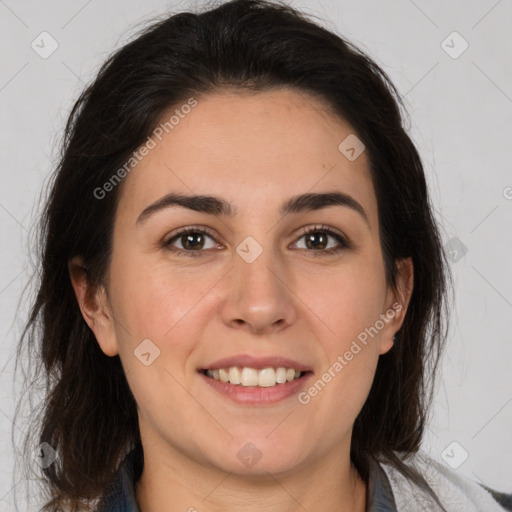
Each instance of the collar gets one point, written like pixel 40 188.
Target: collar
pixel 120 496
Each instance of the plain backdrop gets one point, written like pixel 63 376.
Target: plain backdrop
pixel 450 60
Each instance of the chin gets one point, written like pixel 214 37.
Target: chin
pixel 260 455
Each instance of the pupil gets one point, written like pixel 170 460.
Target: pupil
pixel 189 240
pixel 316 245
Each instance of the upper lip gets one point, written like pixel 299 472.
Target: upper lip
pixel 257 362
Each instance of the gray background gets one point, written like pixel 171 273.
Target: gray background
pixel 460 110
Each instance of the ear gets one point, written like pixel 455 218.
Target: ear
pixel 93 303
pixel 397 302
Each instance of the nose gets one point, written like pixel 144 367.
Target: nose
pixel 259 295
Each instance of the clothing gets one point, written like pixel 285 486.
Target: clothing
pixel 387 490
pixel 456 492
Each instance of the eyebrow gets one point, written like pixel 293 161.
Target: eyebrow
pixel 213 205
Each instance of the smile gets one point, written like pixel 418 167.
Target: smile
pixel 255 387
pixel 247 376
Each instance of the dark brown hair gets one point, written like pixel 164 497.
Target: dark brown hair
pixel 88 413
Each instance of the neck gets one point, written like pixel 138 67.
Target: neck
pixel 329 483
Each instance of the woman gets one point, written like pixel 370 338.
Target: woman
pixel 242 297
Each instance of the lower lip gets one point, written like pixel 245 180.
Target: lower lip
pixel 254 395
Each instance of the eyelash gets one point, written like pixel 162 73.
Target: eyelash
pixel 306 231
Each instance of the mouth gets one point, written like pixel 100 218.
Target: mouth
pixel 246 376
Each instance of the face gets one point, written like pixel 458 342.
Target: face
pixel 270 286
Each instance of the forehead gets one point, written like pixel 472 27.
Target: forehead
pixel 254 149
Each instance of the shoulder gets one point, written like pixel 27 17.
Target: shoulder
pixel 455 491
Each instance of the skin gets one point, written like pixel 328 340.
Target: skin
pixel 256 151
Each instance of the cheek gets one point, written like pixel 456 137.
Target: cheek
pixel 158 301
pixel 340 389
pixel 347 305
pixel 161 317
pixel 348 299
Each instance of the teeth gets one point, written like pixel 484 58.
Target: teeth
pixel 281 375
pixel 267 377
pixel 247 376
pixel 290 374
pixel 234 375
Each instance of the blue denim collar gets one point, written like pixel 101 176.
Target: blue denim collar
pixel 120 496
pixel 379 495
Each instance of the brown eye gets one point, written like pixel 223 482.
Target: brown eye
pixel 190 240
pixel 317 239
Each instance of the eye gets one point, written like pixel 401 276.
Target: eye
pixel 316 238
pixel 192 241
